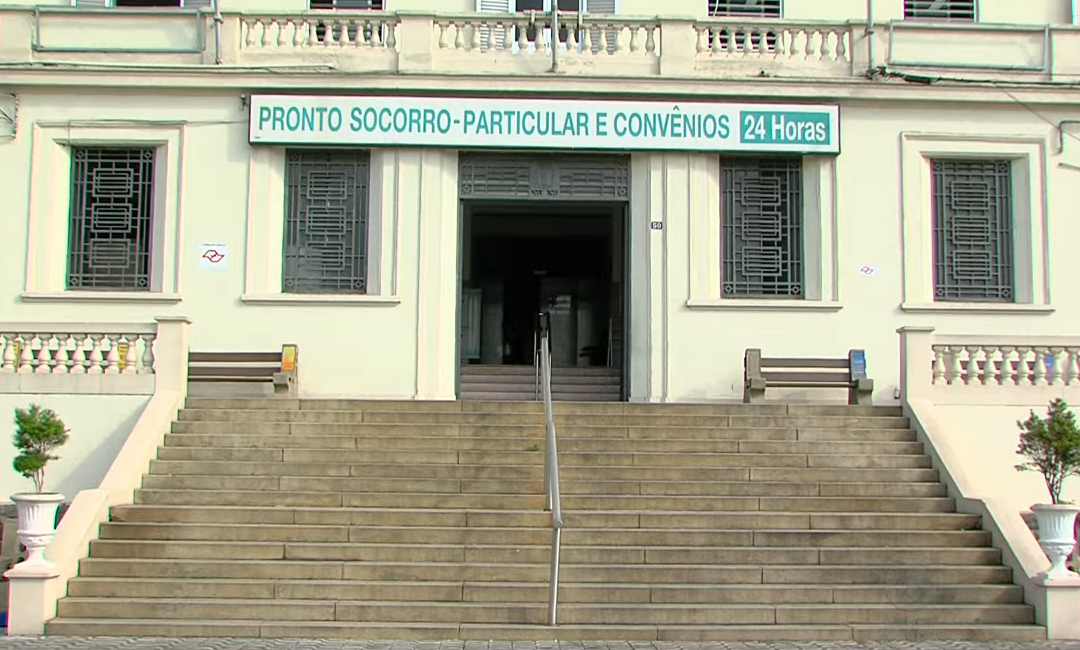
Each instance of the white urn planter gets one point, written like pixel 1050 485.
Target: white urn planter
pixel 37 524
pixel 1057 536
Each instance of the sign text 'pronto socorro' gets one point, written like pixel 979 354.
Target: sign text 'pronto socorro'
pixel 540 123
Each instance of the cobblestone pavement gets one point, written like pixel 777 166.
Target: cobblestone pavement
pixel 120 643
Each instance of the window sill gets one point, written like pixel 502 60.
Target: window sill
pixel 318 299
pixel 763 305
pixel 975 308
pixel 101 296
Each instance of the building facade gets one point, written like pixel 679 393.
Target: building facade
pixel 398 187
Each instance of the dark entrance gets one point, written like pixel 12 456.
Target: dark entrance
pixel 551 250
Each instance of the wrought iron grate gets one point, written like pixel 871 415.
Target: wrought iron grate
pixel 745 8
pixel 111 218
pixel 973 230
pixel 944 10
pixel 761 227
pixel 326 217
pixel 543 176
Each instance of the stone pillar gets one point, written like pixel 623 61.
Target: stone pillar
pixel 678 38
pixel 171 354
pixel 414 42
pixel 916 363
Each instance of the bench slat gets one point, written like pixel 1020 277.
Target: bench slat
pixel 809 384
pixel 234 357
pixel 232 378
pixel 838 378
pixel 231 371
pixel 787 362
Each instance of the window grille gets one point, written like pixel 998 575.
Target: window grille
pixel 943 10
pixel 350 5
pixel 745 8
pixel 111 219
pixel 326 218
pixel 761 227
pixel 973 230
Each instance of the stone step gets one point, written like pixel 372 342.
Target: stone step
pixel 568 486
pixel 580 502
pixel 562 395
pixel 536 457
pixel 571 536
pixel 536 472
pixel 537 431
pixel 461 417
pixel 535 614
pixel 485 632
pixel 538 572
pixel 538 552
pixel 700 520
pixel 533 592
pixel 530 371
pixel 532 406
pixel 566 446
pixel 527 385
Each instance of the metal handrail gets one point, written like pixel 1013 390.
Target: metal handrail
pixel 552 495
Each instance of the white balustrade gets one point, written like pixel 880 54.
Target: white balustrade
pixel 1033 364
pixel 116 352
pixel 530 35
pixel 333 30
pixel 773 41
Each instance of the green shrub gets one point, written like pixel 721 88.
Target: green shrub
pixel 38 432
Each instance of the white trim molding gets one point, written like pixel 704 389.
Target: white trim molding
pixel 820 219
pixel 1028 155
pixel 266 231
pixel 50 195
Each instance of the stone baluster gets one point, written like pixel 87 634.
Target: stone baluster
pixel 444 42
pixel 841 45
pixel 1072 370
pixel 1023 369
pixel 954 369
pixel 26 356
pixel 390 42
pixel 301 34
pixel 572 42
pixel 1038 374
pixel 78 357
pixel 148 354
pixel 264 33
pixel 971 367
pixel 60 359
pixel 796 41
pixel 130 358
pixel 113 355
pixel 650 38
pixel 939 365
pixel 44 355
pixel 635 44
pixel 97 359
pixel 780 51
pixel 990 365
pixel 1008 370
pixel 250 27
pixel 1056 369
pixel 282 31
pixel 10 353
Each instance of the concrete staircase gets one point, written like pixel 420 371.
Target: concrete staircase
pixel 515 383
pixel 279 518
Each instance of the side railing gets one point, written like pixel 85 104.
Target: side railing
pixel 552 495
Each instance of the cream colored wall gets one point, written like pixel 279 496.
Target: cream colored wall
pixel 98 424
pixel 364 348
pixel 402 343
pixel 989 436
pixel 705 345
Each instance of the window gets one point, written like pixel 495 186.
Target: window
pixel 326 219
pixel 944 10
pixel 761 230
pixel 744 8
pixel 351 5
pixel 973 230
pixel 143 4
pixel 109 235
pixel 736 40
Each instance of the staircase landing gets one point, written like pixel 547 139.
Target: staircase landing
pixel 518 383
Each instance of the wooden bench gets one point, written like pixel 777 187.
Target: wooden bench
pixel 278 368
pixel 786 372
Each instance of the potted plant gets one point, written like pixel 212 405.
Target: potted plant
pixel 1052 448
pixel 38 433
